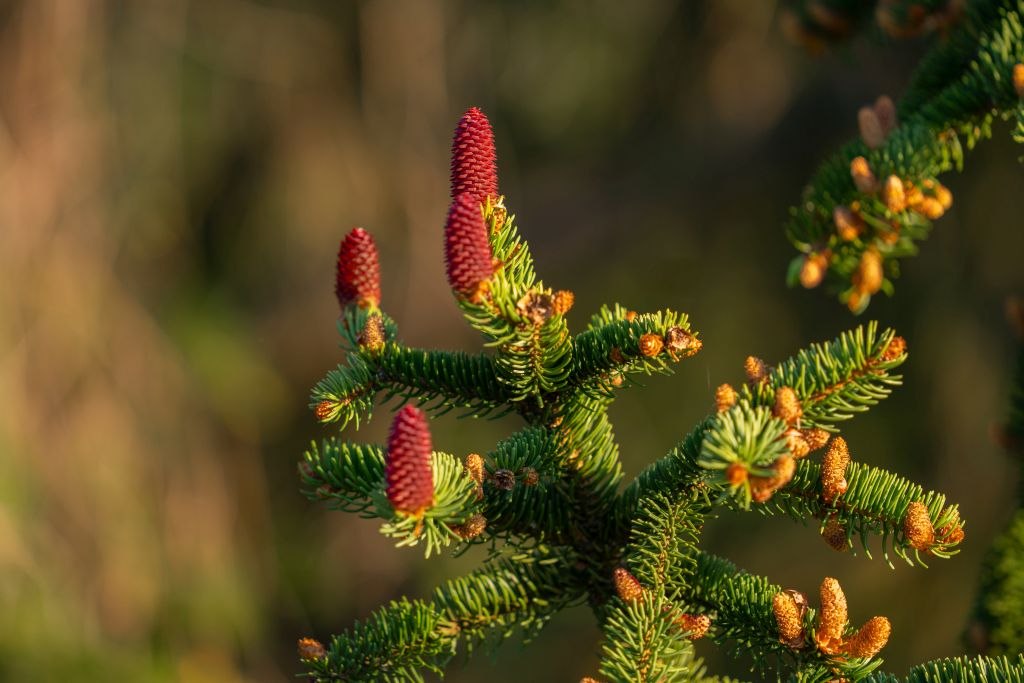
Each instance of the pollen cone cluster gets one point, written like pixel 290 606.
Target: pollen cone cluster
pixel 867 642
pixel 357 279
pixel 474 168
pixel 410 479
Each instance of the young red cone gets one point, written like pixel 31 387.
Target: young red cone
pixel 358 275
pixel 467 253
pixel 473 158
pixel 410 479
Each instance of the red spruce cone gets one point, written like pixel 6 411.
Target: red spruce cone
pixel 358 274
pixel 474 170
pixel 409 476
pixel 467 254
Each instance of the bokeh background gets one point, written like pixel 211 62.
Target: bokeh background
pixel 174 179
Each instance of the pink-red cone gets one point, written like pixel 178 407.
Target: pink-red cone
pixel 410 479
pixel 467 253
pixel 357 279
pixel 474 168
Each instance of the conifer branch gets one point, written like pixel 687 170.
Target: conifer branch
pixel 524 491
pixel 401 640
pixel 443 380
pixel 490 604
pixel 350 477
pixel 837 379
pixel 547 499
pixel 592 454
pixel 741 606
pixel 960 670
pixel 875 503
pixel 871 203
pixel 394 645
pixel 997 625
pixel 448 379
pixel 644 644
pixel 663 543
pixel 619 343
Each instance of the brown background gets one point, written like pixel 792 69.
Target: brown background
pixel 174 177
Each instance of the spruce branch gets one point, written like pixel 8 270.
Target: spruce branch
pixel 443 380
pixel 875 503
pixel 351 478
pixel 997 625
pixel 644 644
pixel 743 612
pixel 620 343
pixel 401 640
pixel 548 500
pixel 960 670
pixel 592 454
pixel 663 542
pixel 870 204
pixel 837 379
pixel 393 645
pixel 524 492
pixel 492 603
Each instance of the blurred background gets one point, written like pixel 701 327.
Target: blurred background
pixel 175 176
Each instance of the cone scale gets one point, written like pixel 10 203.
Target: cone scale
pixel 357 278
pixel 410 479
pixel 474 168
pixel 467 253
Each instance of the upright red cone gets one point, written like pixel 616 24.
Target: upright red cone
pixel 467 253
pixel 358 275
pixel 410 479
pixel 474 168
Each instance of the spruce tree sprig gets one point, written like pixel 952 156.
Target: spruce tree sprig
pixel 350 477
pixel 548 500
pixel 742 609
pixel 444 380
pixel 620 343
pixel 837 379
pixel 961 669
pixel 643 643
pixel 663 543
pixel 397 642
pixel 997 624
pixel 524 491
pixel 874 503
pixel 871 203
pixel 394 645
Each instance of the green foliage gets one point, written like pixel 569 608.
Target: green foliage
pixel 540 510
pixel 401 640
pixel 350 477
pixel 744 436
pixel 608 352
pixel 643 644
pixel 835 380
pixel 962 670
pixel 874 504
pixel 663 542
pixel 956 94
pixel 491 604
pixel 395 644
pixel 998 624
pixel 549 499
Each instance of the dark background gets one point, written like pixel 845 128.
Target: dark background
pixel 174 179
